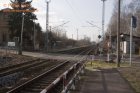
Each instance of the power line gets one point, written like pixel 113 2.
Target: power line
pixel 73 10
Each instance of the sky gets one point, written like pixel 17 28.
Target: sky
pixel 76 13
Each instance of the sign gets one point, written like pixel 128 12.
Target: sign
pixel 99 36
pixel 134 22
pixel 11 44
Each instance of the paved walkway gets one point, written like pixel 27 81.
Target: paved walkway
pixel 103 81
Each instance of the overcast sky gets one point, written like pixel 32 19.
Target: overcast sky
pixel 78 12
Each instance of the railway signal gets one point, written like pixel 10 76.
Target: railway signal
pixel 99 36
pixel 134 22
pixel 133 26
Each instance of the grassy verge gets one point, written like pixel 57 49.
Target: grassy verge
pixel 103 65
pixel 131 74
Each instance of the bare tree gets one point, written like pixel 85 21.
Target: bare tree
pixel 127 10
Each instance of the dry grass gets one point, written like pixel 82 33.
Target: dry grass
pixel 132 74
pixel 103 65
pixel 14 59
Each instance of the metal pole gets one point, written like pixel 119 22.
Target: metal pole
pixel 77 35
pixel 118 36
pixel 103 17
pixel 100 50
pixel 72 36
pixel 21 39
pixel 65 34
pixel 103 20
pixel 131 43
pixel 34 35
pixel 110 42
pixel 72 41
pixel 47 25
pixel 122 50
pixel 50 28
pixel 109 45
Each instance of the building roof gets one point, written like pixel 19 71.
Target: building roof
pixel 135 34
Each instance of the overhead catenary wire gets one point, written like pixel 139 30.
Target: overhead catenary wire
pixel 73 10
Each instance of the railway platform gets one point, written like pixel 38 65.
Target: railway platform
pixel 103 81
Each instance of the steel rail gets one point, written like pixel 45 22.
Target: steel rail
pixel 61 77
pixel 57 80
pixel 15 90
pixel 20 67
pixel 20 64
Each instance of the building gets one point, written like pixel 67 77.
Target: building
pixel 28 35
pixel 4 27
pixel 125 44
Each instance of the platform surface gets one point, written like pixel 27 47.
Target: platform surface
pixel 103 81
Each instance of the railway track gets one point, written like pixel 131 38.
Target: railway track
pixel 52 80
pixel 16 79
pixel 75 50
pixel 20 67
pixel 37 84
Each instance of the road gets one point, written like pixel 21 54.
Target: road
pixel 135 58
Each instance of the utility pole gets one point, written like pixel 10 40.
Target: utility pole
pixel 72 41
pixel 47 25
pixel 99 36
pixel 77 35
pixel 65 34
pixel 72 36
pixel 21 41
pixel 50 28
pixel 118 35
pixel 34 36
pixel 103 17
pixel 109 47
pixel 20 5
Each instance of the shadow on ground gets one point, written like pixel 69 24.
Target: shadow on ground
pixel 102 81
